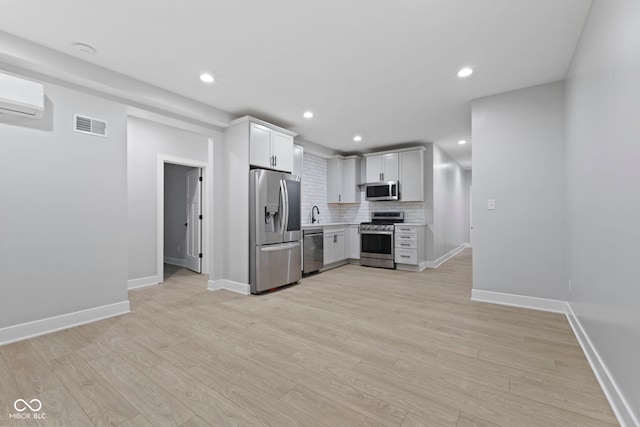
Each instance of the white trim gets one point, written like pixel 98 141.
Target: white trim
pixel 271 126
pixel 180 262
pixel 542 304
pixel 444 258
pixel 203 129
pixel 143 281
pixel 396 150
pixel 412 267
pixel 230 285
pixel 619 404
pixel 333 265
pixel 28 330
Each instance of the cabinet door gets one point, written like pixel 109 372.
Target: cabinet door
pixel 335 169
pixel 351 172
pixel 374 168
pixel 328 249
pixel 411 176
pixel 260 146
pixel 354 242
pixel 339 247
pixel 282 151
pixel 390 167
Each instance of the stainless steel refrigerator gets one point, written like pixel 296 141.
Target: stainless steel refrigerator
pixel 274 228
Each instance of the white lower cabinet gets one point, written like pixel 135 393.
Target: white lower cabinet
pixel 354 241
pixel 410 250
pixel 334 245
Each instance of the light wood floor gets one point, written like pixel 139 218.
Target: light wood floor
pixel 353 346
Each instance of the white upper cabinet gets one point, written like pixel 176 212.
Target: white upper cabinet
pixel 405 165
pixel 382 167
pixel 335 181
pixel 269 148
pixel 260 146
pixel 343 176
pixel 282 150
pixel 412 176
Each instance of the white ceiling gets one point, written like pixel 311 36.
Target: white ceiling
pixel 379 68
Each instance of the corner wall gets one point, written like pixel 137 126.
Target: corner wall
pixel 63 216
pixel 146 141
pixel 603 150
pixel 518 161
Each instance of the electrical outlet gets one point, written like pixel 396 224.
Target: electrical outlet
pixel 491 204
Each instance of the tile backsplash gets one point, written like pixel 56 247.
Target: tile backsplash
pixel 314 192
pixel 314 188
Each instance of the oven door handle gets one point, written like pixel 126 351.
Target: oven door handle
pixel 389 233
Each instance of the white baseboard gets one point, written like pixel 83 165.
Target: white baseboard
pixel 543 304
pixel 437 263
pixel 143 281
pixel 28 330
pixel 411 267
pixel 175 261
pixel 619 404
pixel 230 285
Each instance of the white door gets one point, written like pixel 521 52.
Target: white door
pixel 194 221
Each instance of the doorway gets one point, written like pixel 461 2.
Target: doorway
pixel 183 216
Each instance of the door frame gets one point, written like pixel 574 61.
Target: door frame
pixel 204 206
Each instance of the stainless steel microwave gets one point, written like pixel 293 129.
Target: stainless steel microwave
pixel 389 190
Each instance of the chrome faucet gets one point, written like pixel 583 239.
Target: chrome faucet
pixel 314 209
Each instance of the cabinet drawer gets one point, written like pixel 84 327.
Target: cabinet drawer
pixel 407 244
pixel 403 237
pixel 407 256
pixel 406 229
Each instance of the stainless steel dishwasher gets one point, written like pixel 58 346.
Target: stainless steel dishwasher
pixel 313 250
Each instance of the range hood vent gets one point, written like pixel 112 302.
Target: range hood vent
pixel 89 126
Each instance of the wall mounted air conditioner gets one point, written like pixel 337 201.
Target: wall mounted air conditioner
pixel 20 97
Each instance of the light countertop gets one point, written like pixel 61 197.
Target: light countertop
pixel 337 224
pixel 329 224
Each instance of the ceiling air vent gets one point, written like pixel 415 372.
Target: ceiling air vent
pixel 88 125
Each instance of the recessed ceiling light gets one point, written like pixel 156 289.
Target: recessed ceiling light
pixel 207 78
pixel 308 114
pixel 357 138
pixel 462 142
pixel 83 49
pixel 465 72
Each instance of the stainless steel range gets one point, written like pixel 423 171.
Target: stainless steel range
pixel 376 239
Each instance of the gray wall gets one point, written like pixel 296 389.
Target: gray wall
pixel 63 217
pixel 147 140
pixel 518 160
pixel 468 181
pixel 175 210
pixel 603 179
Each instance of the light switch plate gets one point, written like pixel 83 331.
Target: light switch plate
pixel 491 204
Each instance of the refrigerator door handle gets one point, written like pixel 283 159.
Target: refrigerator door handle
pixel 285 206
